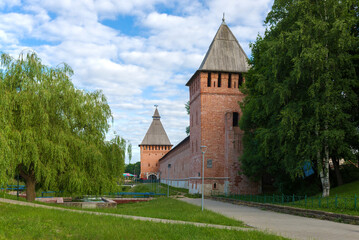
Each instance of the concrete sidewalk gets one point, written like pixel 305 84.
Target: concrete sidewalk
pixel 2 200
pixel 282 224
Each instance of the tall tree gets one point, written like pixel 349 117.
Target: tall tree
pixel 52 133
pixel 301 89
pixel 129 152
pixel 133 168
pixel 188 112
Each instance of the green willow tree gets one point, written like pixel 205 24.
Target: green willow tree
pixel 301 89
pixel 53 134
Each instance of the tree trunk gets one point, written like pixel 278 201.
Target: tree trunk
pixel 337 172
pixel 324 174
pixel 30 189
pixel 30 183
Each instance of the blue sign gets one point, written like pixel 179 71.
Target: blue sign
pixel 308 170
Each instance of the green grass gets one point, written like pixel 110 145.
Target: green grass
pixel 23 222
pixel 163 207
pixel 346 190
pixel 341 200
pixel 168 208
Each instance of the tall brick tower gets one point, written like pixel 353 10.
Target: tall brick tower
pixel 214 116
pixel 154 146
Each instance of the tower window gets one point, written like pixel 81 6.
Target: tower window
pixel 235 119
pixel 148 164
pixel 240 79
pixel 219 80
pixel 229 80
pixel 214 185
pixel 209 80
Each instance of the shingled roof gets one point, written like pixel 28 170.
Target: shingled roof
pixel 156 134
pixel 224 54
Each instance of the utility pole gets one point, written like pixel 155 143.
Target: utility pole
pixel 203 149
pixel 168 180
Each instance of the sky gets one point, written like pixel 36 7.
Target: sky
pixel 140 53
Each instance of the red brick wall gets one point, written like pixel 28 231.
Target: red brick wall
pixel 211 124
pixel 180 170
pixel 149 159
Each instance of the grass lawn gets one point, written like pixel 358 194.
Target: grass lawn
pixel 23 222
pixel 341 200
pixel 162 207
pixel 168 208
pixel 348 189
pixel 344 204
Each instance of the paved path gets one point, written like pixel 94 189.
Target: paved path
pixel 124 216
pixel 282 224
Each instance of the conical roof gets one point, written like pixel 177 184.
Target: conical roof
pixel 156 134
pixel 225 54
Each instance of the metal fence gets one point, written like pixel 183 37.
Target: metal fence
pixel 315 202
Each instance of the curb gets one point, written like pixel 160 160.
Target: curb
pixel 335 217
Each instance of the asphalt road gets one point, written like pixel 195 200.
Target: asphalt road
pixel 287 225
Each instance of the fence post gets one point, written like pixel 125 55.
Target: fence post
pixel 319 203
pixel 355 201
pixel 327 202
pixel 282 198
pixel 293 199
pixel 305 200
pixel 264 198
pixel 336 200
pixel 273 198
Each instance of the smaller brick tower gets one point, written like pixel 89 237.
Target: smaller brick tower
pixel 154 146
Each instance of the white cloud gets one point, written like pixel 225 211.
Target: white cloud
pixel 134 71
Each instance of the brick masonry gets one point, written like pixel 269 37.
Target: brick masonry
pixel 212 112
pixel 150 156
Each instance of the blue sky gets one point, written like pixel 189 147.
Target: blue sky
pixel 139 52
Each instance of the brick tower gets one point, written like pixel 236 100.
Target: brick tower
pixel 154 146
pixel 214 116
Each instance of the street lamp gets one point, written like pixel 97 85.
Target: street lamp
pixel 203 150
pixel 168 181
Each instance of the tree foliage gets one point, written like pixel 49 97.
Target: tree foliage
pixel 302 89
pixel 133 168
pixel 187 106
pixel 129 152
pixel 52 133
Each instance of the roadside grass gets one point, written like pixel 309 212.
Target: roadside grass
pixel 348 189
pixel 24 222
pixel 341 200
pixel 169 208
pixel 162 207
